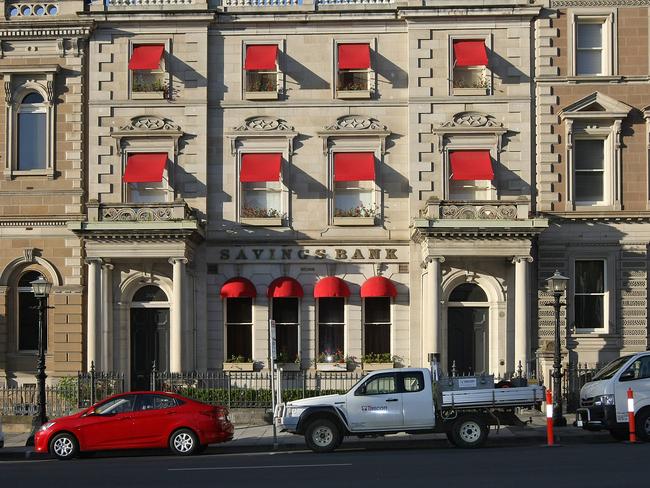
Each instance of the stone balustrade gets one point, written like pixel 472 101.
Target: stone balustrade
pixel 477 210
pixel 143 212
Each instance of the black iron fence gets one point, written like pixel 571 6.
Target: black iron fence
pixel 574 378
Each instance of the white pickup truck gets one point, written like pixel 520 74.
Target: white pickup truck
pixel 603 401
pixel 406 400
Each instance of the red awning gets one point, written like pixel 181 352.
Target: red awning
pixel 354 56
pixel 260 167
pixel 330 287
pixel 378 286
pixel 261 58
pixel 354 166
pixel 471 165
pixel 144 167
pixel 146 56
pixel 285 287
pixel 238 288
pixel 470 53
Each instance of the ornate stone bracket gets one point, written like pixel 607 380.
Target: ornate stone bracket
pixel 262 127
pixel 471 123
pixel 355 126
pixel 147 126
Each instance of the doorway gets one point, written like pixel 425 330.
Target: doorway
pixel 467 330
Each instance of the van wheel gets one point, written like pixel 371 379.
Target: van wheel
pixel 64 446
pixel 323 435
pixel 643 425
pixel 469 432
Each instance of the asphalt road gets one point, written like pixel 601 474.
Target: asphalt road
pixel 593 465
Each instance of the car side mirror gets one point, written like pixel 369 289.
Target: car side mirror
pixel 627 376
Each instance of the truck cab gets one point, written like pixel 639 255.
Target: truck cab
pixel 603 401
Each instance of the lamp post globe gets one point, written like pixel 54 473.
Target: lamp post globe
pixel 41 288
pixel 558 285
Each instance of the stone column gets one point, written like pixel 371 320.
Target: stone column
pixel 176 321
pixel 93 311
pixel 107 317
pixel 431 302
pixel 521 312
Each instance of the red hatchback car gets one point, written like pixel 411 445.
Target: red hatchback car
pixel 137 420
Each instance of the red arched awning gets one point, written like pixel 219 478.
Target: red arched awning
pixel 285 287
pixel 378 286
pixel 330 287
pixel 238 288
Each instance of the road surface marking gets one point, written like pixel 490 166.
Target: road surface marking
pixel 262 467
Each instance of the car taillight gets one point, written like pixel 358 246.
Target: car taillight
pixel 222 413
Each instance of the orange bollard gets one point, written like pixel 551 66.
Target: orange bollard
pixel 630 414
pixel 549 418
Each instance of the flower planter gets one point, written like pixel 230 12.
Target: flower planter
pixel 353 94
pixel 470 91
pixel 289 366
pixel 262 221
pixel 377 366
pixel 239 366
pixel 352 221
pixel 340 367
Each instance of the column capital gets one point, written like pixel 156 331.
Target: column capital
pixel 519 259
pixel 182 260
pixel 108 266
pixel 94 261
pixel 430 259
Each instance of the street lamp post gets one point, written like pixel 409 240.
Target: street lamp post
pixel 557 283
pixel 41 288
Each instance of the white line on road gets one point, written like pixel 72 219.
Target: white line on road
pixel 262 467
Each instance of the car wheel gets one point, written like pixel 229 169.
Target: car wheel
pixel 469 432
pixel 183 442
pixel 619 434
pixel 64 446
pixel 643 426
pixel 323 435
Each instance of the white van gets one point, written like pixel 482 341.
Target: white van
pixel 603 401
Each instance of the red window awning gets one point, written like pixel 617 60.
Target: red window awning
pixel 470 53
pixel 146 56
pixel 260 167
pixel 331 287
pixel 285 287
pixel 354 56
pixel 144 167
pixel 261 58
pixel 238 288
pixel 354 166
pixel 471 165
pixel 378 286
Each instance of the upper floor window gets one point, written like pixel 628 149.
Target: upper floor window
pixel 590 294
pixel 353 76
pixel 354 187
pixel 261 67
pixel 146 178
pixel 147 71
pixel 28 314
pixel 32 133
pixel 589 172
pixel 470 74
pixel 470 175
pixel 261 188
pixel 593 52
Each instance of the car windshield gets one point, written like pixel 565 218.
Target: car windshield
pixel 610 370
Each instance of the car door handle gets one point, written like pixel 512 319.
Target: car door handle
pixel 392 399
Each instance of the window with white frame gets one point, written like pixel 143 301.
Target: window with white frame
pixel 589 171
pixel 260 178
pixel 353 72
pixel 470 66
pixel 377 325
pixel 286 313
pixel 239 329
pixel 590 294
pixel 470 175
pixel 27 319
pixel 261 69
pixel 148 74
pixel 331 329
pixel 354 184
pixel 592 45
pixel 146 178
pixel 32 133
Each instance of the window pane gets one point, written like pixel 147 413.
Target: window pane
pixel 590 276
pixel 119 405
pixel 285 310
pixel 353 203
pixel 589 311
pixel 413 382
pixel 28 322
pixel 31 141
pixel 32 98
pixel 381 386
pixel 150 293
pixel 468 292
pixel 589 62
pixel 590 35
pixel 261 202
pixel 147 81
pixel 470 77
pixel 469 189
pixel 330 338
pixel 27 278
pixel 239 310
pixel 377 309
pixel 330 310
pixel 352 80
pixel 590 153
pixel 589 187
pixel 155 192
pixel 261 82
pixel 239 340
pixel 286 342
pixel 376 339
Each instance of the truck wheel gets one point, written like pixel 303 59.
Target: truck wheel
pixel 469 431
pixel 643 426
pixel 323 435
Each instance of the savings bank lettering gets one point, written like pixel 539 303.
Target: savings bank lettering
pixel 273 254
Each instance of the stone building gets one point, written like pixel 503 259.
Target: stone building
pixel 42 63
pixel 592 91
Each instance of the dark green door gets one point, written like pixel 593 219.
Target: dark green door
pixel 149 343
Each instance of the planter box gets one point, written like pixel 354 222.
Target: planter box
pixel 289 366
pixel 158 95
pixel 262 221
pixel 352 221
pixel 261 95
pixel 377 366
pixel 353 94
pixel 239 366
pixel 470 91
pixel 340 367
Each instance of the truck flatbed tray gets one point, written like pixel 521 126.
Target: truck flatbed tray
pixel 526 396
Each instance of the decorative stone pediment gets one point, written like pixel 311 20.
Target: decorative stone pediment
pixel 148 126
pixel 261 127
pixel 596 106
pixel 471 124
pixel 355 126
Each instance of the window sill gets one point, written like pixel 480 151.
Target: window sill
pixel 261 221
pixel 289 366
pixel 376 366
pixel 354 221
pixel 32 172
pixel 239 366
pixel 471 91
pixel 261 95
pixel 160 95
pixel 353 94
pixel 340 367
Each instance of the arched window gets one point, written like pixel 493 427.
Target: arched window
pixel 468 292
pixel 28 314
pixel 32 133
pixel 150 293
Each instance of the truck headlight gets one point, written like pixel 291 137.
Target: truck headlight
pixel 605 400
pixel 295 411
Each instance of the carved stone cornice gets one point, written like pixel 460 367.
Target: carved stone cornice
pixel 355 126
pixel 599 3
pixel 262 127
pixel 147 126
pixel 471 123
pixel 44 29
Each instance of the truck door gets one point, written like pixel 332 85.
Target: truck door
pixel 637 377
pixel 417 402
pixel 376 404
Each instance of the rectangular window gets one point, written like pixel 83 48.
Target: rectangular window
pixel 261 188
pixel 32 139
pixel 147 71
pixel 28 321
pixel 145 176
pixel 590 294
pixel 377 326
pixel 354 185
pixel 470 74
pixel 285 314
pixel 261 71
pixel 353 70
pixel 470 175
pixel 590 52
pixel 331 326
pixel 239 328
pixel 589 171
